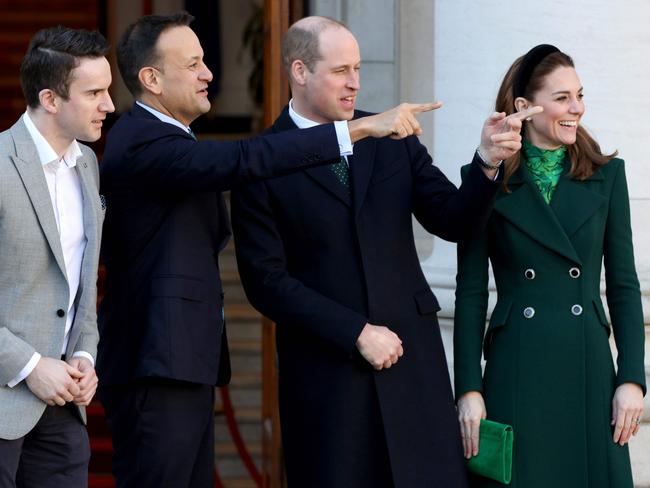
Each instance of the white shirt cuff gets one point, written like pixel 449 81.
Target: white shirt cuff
pixel 343 137
pixel 84 354
pixel 26 371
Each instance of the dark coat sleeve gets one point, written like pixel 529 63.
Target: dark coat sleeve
pixel 469 313
pixel 622 285
pixel 269 285
pixel 470 309
pixel 442 209
pixel 149 154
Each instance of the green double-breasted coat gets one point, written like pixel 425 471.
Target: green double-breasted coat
pixel 549 369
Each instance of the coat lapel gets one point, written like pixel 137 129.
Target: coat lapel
pixel 323 174
pixel 526 209
pixel 31 172
pixel 574 203
pixel 361 166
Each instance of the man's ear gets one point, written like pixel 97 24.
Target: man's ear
pixel 49 100
pixel 150 80
pixel 299 72
pixel 521 104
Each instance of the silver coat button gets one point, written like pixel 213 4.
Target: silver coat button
pixel 576 310
pixel 529 312
pixel 574 272
pixel 529 274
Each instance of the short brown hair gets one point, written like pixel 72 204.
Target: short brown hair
pixel 301 41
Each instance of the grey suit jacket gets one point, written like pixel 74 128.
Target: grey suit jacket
pixel 33 284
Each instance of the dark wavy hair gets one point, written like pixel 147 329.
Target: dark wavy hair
pixel 52 55
pixel 585 154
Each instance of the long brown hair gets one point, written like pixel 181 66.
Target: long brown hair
pixel 585 154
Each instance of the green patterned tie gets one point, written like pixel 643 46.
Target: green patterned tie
pixel 191 132
pixel 342 171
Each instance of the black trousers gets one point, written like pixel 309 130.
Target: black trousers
pixel 163 433
pixel 54 454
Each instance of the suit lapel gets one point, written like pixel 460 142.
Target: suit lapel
pixel 526 209
pixel 91 219
pixel 31 172
pixel 361 166
pixel 325 177
pixel 323 174
pixel 90 210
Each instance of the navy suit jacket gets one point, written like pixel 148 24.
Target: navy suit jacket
pixel 165 225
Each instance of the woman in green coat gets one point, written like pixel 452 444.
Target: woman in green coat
pixel 563 211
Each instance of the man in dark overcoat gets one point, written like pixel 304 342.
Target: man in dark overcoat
pixel 328 254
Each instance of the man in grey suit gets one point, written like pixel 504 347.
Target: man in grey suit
pixel 50 227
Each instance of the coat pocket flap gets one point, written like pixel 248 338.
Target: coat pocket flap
pixel 600 312
pixel 500 314
pixel 426 302
pixel 178 287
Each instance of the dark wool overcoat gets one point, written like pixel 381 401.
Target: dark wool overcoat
pixel 321 262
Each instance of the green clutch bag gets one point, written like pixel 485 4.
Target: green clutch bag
pixel 494 458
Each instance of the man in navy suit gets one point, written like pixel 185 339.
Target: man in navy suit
pixel 328 254
pixel 162 338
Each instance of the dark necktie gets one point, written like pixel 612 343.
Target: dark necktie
pixel 191 132
pixel 342 171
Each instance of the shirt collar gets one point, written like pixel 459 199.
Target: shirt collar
pixel 299 120
pixel 163 117
pixel 46 154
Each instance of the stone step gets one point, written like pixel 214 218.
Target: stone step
pixel 251 432
pixel 233 468
pixel 245 329
pixel 244 415
pixel 240 311
pixel 248 398
pixel 228 449
pixel 245 363
pixel 243 380
pixel 227 261
pixel 245 346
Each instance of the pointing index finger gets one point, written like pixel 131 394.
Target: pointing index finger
pixel 529 112
pixel 424 107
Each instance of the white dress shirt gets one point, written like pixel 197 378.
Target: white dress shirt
pixel 164 118
pixel 341 127
pixel 67 203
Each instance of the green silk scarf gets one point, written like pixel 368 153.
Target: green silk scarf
pixel 545 167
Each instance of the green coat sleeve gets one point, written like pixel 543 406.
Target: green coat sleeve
pixel 470 312
pixel 622 285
